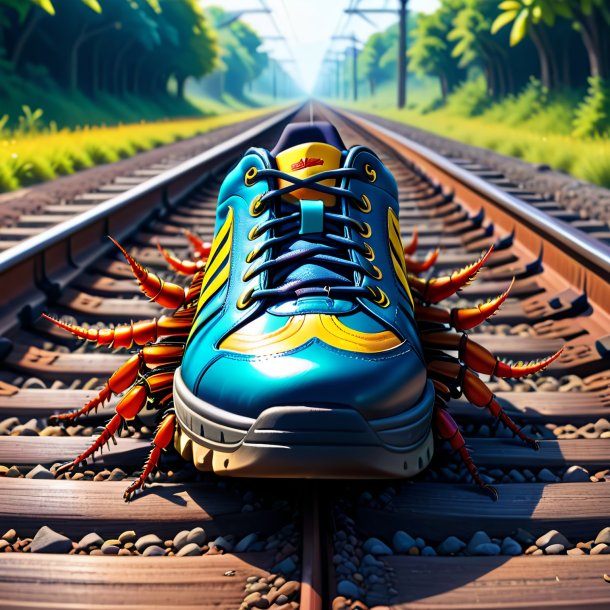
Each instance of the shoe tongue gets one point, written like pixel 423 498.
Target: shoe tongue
pixel 305 160
pixel 302 161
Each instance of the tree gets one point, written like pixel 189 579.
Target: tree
pixel 370 59
pixel 430 51
pixel 241 61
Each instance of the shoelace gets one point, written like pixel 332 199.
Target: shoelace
pixel 331 248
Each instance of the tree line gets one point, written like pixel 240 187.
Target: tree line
pixel 124 47
pixel 563 44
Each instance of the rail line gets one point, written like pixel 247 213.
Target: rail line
pixel 311 545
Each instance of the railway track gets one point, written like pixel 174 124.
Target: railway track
pixel 313 545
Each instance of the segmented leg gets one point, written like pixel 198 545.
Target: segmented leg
pixel 127 409
pixel 163 437
pixel 448 430
pixel 480 359
pixel 125 376
pixel 476 392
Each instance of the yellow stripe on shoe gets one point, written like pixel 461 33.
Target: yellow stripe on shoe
pixel 301 329
pixel 397 252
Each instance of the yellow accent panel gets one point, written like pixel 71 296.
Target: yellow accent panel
pixel 307 160
pixel 216 259
pixel 301 329
pixel 396 250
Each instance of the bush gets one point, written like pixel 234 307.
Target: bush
pixel 469 99
pixel 593 115
pixel 516 110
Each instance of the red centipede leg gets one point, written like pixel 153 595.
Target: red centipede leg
pixel 163 437
pixel 448 430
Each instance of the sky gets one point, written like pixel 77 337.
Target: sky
pixel 308 26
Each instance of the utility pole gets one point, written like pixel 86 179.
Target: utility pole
pixel 354 42
pixel 402 54
pixel 402 43
pixel 355 67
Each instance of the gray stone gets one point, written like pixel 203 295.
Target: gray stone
pixel 192 548
pixel 39 472
pixel 450 546
pixel 374 546
pixel 48 541
pixel 110 549
pixel 348 589
pixel 516 476
pixel 487 548
pixel 511 547
pixel 180 539
pixel 198 536
pixel 7 424
pixel 600 549
pixel 420 543
pixel 477 539
pixel 284 567
pixel 554 549
pixel 89 540
pixel 603 536
pixel 223 543
pixel 369 560
pixel 402 542
pixel 153 551
pixel 428 551
pixel 128 536
pixel 524 537
pixel 546 476
pixel 146 541
pixel 243 545
pixel 553 537
pixel 576 474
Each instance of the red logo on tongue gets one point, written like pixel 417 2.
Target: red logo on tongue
pixel 306 162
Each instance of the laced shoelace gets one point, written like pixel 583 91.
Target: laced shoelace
pixel 331 248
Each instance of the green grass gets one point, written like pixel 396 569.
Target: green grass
pixel 532 126
pixel 29 158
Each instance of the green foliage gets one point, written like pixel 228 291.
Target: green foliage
pixel 516 110
pixel 430 51
pixel 30 122
pixel 595 168
pixel 593 115
pixel 239 57
pixel 469 99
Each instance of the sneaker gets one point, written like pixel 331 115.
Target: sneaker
pixel 304 359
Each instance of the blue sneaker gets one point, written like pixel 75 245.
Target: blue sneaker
pixel 304 359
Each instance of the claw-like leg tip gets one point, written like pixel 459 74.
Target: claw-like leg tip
pixel 63 469
pixel 492 492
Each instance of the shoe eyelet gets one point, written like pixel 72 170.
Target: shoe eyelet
pixel 369 254
pixel 256 207
pixel 253 234
pixel 366 230
pixel 365 205
pixel 252 255
pixel 378 275
pixel 245 299
pixel 379 296
pixel 370 172
pixel 250 176
pixel 248 274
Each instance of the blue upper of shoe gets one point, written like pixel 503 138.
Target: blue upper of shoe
pixel 305 299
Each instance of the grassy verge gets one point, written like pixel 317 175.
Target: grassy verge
pixel 27 159
pixel 511 128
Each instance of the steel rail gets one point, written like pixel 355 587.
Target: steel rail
pixel 568 243
pixel 52 258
